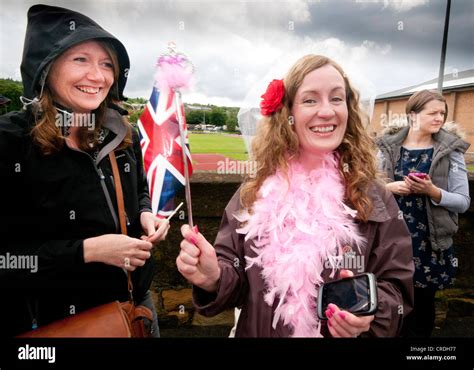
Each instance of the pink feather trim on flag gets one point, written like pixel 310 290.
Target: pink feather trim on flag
pixel 295 231
pixel 174 72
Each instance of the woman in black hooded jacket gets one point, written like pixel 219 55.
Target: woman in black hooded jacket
pixel 61 251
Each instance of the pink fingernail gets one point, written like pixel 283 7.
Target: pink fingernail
pixel 196 229
pixel 328 314
pixel 342 315
pixel 193 240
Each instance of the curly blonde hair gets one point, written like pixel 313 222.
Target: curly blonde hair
pixel 47 134
pixel 276 142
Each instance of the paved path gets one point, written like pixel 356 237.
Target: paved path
pixel 208 162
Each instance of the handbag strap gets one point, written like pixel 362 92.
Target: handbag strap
pixel 121 212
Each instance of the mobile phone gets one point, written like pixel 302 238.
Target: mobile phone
pixel 420 175
pixel 356 294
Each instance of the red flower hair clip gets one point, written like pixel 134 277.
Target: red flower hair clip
pixel 272 100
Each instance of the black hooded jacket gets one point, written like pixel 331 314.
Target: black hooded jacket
pixel 51 203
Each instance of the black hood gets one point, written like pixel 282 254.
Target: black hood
pixel 51 31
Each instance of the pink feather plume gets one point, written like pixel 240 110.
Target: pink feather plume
pixel 174 71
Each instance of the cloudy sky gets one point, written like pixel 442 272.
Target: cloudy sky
pixel 237 47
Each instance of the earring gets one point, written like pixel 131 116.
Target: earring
pixel 291 120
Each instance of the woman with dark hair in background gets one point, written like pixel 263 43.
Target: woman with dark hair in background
pixel 427 174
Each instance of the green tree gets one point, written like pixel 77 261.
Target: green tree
pixel 231 121
pixel 194 117
pixel 12 90
pixel 134 116
pixel 217 116
pixel 136 100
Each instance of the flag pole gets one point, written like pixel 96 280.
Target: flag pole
pixel 443 48
pixel 187 188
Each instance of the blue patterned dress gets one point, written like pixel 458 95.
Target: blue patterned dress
pixel 433 269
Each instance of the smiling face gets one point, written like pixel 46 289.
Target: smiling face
pixel 431 118
pixel 320 112
pixel 81 77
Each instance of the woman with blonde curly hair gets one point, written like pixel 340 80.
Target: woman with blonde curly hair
pixel 315 210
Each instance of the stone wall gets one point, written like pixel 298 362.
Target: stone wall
pixel 464 244
pixel 211 192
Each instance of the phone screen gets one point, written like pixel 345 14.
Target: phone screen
pixel 352 295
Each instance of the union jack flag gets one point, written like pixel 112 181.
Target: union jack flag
pixel 162 152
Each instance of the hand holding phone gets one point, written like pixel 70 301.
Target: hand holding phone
pixel 356 294
pixel 420 175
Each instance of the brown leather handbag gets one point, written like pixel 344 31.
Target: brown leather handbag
pixel 111 320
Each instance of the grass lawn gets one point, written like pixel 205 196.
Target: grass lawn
pixel 470 167
pixel 230 146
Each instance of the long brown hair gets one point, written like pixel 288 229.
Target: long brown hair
pixel 276 142
pixel 47 134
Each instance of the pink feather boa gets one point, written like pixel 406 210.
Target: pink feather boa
pixel 295 232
